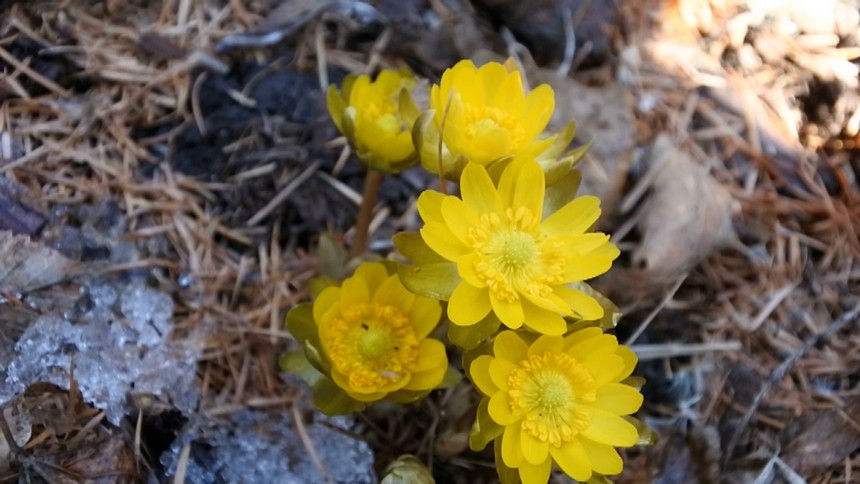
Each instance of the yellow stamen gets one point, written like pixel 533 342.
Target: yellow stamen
pixel 548 391
pixel 373 344
pixel 480 120
pixel 514 257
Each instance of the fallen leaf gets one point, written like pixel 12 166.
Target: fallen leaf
pixel 19 424
pixel 110 456
pixel 29 265
pixel 819 441
pixel 687 216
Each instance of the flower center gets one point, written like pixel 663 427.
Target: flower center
pixel 513 257
pixel 374 345
pixel 384 115
pixel 480 120
pixel 549 392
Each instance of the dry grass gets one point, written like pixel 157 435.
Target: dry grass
pixel 784 292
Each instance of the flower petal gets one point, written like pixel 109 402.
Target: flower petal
pixel 424 315
pixel 543 321
pixel 603 368
pixel 574 218
pixel 459 217
pixel 512 455
pixel 489 75
pixel 431 355
pixel 478 191
pixel 373 274
pixel 582 244
pixel 354 291
pixel 479 373
pixel 530 188
pixel 500 409
pixel 426 380
pixel 539 105
pixel 546 344
pixel 618 399
pixel 430 206
pixel 573 460
pixel 584 267
pixel 585 306
pixel 511 96
pixel 604 458
pixel 577 337
pixel 509 312
pixel 604 344
pixel 439 237
pixel 325 301
pixel 392 293
pixel 552 302
pixel 508 182
pixel 610 429
pixel 466 269
pixel 509 346
pixel 534 450
pixel 499 371
pixel 630 360
pixel 535 474
pixel 468 304
pixel 464 79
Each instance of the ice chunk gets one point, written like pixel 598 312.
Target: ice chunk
pixel 117 339
pixel 264 446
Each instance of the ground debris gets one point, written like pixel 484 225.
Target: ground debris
pixel 261 446
pixel 29 265
pixel 823 439
pixel 687 216
pixel 115 338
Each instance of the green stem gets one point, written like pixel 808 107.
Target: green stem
pixel 365 212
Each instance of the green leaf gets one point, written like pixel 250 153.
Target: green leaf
pixel 469 337
pixel 316 358
pixel 598 479
pixel 331 400
pixel 413 247
pixel 301 324
pixel 646 435
pixel 636 382
pixel 296 362
pixel 336 105
pixel 451 379
pixel 485 348
pixel 409 110
pixel 407 469
pixel 331 256
pixel 436 281
pixel 561 193
pixel 577 154
pixel 319 284
pixel 484 429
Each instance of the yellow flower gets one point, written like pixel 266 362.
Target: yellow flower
pixel 484 115
pixel 370 337
pixel 377 117
pixel 511 260
pixel 559 400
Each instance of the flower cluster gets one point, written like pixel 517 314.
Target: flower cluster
pixel 509 255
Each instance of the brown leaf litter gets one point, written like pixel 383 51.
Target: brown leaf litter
pixel 193 118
